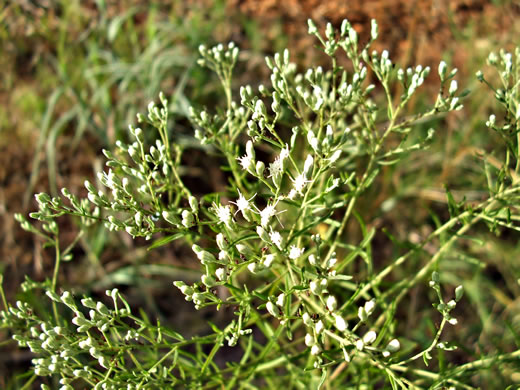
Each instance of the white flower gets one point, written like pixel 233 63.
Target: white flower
pixel 341 324
pixel 276 239
pixel 243 205
pixel 369 337
pixel 315 350
pixel 224 214
pixel 360 345
pixel 247 163
pixel 267 213
pixel 299 183
pixel 268 260
pixel 284 153
pixel 276 168
pixel 295 252
pixel 292 194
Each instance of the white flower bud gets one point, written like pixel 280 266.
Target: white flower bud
pixel 362 314
pixel 221 274
pixel 272 309
pixel 332 303
pixel 453 87
pixel 374 30
pixel 393 346
pixel 370 306
pixel 260 168
pixel 315 350
pixel 306 318
pixel 309 340
pixel 253 268
pixel 268 260
pixel 319 327
pixel 221 242
pixel 369 337
pixel 453 321
pixel 244 250
pixel 340 323
pixel 280 299
pixel 312 27
pixel 309 161
pixel 262 233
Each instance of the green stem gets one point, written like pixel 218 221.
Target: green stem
pixel 55 276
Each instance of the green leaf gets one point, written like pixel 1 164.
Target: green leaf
pixel 166 240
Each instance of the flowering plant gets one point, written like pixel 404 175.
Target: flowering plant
pixel 311 306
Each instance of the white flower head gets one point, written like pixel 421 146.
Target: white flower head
pixel 243 205
pixel 224 214
pixel 277 167
pixel 276 239
pixel 267 213
pixel 295 252
pixel 299 183
pixel 268 260
pixel 247 163
pixel 292 194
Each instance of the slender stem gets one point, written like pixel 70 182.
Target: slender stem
pixel 57 261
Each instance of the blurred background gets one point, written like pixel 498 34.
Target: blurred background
pixel 74 74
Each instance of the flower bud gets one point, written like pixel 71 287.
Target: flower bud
pixel 208 280
pixel 221 274
pixel 221 242
pixel 392 346
pixel 332 303
pixel 272 309
pixel 459 292
pixel 340 323
pixel 315 350
pixel 369 337
pixel 306 318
